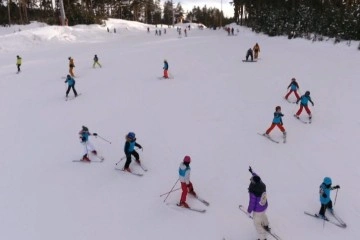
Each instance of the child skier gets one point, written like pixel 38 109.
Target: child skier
pixel 294 86
pixel 258 205
pixel 166 68
pixel 96 61
pixel 249 53
pixel 129 150
pixel 277 121
pixel 304 104
pixel 256 49
pixel 184 177
pixel 18 63
pixel 325 199
pixel 88 146
pixel 71 66
pixel 71 85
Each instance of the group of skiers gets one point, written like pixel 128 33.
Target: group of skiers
pixel 304 100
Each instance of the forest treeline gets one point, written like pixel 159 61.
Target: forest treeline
pixel 311 19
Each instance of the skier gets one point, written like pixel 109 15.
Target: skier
pixel 88 147
pixel 184 177
pixel 258 205
pixel 18 63
pixel 256 49
pixel 277 121
pixel 294 86
pixel 71 66
pixel 129 150
pixel 304 104
pixel 325 200
pixel 185 32
pixel 249 54
pixel 166 68
pixel 96 61
pixel 71 85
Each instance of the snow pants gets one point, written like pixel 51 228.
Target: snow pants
pixel 88 147
pixel 256 54
pixel 71 71
pixel 185 189
pixel 295 92
pixel 128 158
pixel 18 67
pixel 282 129
pixel 96 63
pixel 306 109
pixel 73 88
pixel 324 207
pixel 260 220
pixel 166 73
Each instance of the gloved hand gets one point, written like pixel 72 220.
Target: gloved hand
pixel 250 170
pixel 336 187
pixel 249 215
pixel 312 104
pixel 297 102
pixel 95 134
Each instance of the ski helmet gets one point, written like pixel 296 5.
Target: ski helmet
pixel 277 108
pixel 131 135
pixel 307 93
pixel 84 128
pixel 187 159
pixel 255 179
pixel 327 181
pixel 293 79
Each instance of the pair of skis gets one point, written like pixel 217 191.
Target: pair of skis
pixel 271 139
pixel 268 230
pixel 339 222
pixel 99 159
pixel 71 98
pixel 200 210
pixel 303 121
pixel 135 173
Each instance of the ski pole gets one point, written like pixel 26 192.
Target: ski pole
pixel 336 196
pixel 120 160
pixel 169 192
pixel 102 138
pixel 171 189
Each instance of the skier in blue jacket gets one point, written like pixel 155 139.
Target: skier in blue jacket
pixel 304 104
pixel 166 69
pixel 71 85
pixel 129 150
pixel 277 121
pixel 325 199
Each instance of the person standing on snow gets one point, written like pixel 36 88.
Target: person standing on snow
pixel 258 205
pixel 88 146
pixel 129 150
pixel 71 66
pixel 277 121
pixel 325 199
pixel 96 61
pixel 249 53
pixel 71 85
pixel 184 177
pixel 18 63
pixel 304 104
pixel 294 87
pixel 166 68
pixel 256 50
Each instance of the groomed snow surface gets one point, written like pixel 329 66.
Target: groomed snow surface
pixel 212 110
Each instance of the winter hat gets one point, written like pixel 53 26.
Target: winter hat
pixel 131 135
pixel 307 93
pixel 83 127
pixel 293 79
pixel 277 108
pixel 256 179
pixel 187 159
pixel 327 181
